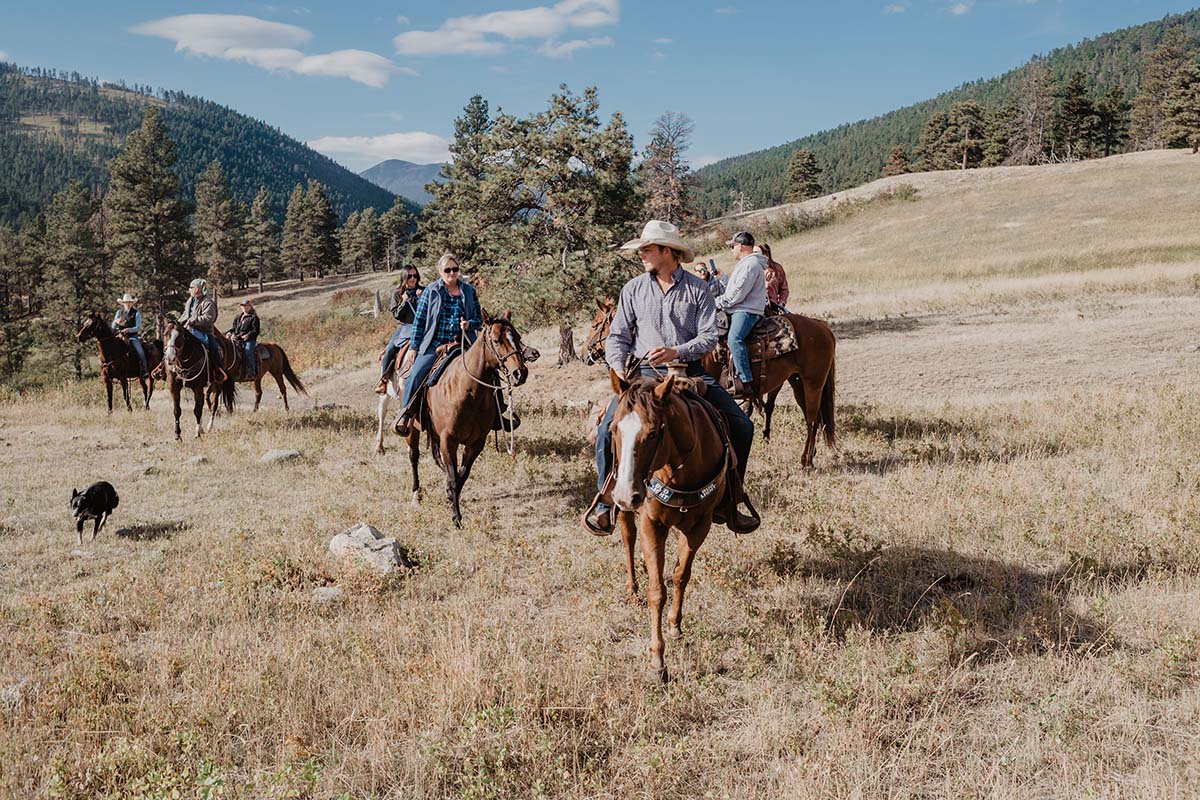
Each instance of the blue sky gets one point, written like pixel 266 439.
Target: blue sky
pixel 367 80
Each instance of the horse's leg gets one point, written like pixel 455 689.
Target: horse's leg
pixel 654 540
pixel 176 405
pixel 689 543
pixel 414 460
pixel 812 415
pixel 449 448
pixel 214 403
pixel 627 522
pixel 282 389
pixel 108 388
pixel 470 453
pixel 381 413
pixel 125 394
pixel 145 390
pixel 768 410
pixel 198 407
pixel 257 390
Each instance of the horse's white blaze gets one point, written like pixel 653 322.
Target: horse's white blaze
pixel 629 427
pixel 170 354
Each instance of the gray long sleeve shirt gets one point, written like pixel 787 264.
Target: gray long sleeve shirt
pixel 747 287
pixel 684 317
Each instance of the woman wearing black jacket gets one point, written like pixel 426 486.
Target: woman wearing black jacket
pixel 404 309
pixel 245 333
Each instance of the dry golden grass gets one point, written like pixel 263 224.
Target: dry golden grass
pixel 990 590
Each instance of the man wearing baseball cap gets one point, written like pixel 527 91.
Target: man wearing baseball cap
pixel 745 301
pixel 244 332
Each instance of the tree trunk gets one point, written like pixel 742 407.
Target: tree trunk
pixel 566 345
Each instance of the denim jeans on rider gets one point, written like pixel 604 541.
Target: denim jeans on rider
pixel 251 362
pixel 389 355
pixel 211 343
pixel 740 325
pixel 741 428
pixel 417 375
pixel 136 343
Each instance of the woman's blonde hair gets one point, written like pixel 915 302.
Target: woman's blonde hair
pixel 445 259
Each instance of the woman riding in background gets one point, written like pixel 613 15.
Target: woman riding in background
pixel 448 309
pixel 128 323
pixel 404 309
pixel 777 285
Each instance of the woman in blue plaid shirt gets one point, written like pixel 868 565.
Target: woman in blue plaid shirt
pixel 448 309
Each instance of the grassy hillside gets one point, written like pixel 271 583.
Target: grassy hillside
pixel 855 153
pixel 56 127
pixel 991 589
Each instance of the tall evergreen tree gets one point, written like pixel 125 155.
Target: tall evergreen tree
pixel 1000 126
pixel 803 177
pixel 292 255
pixel 965 135
pixel 897 163
pixel 74 284
pixel 15 336
pixel 1148 122
pixel 1112 121
pixel 664 173
pixel 396 227
pixel 460 192
pixel 148 233
pixel 319 247
pixel 1034 115
pixel 347 250
pixel 1182 108
pixel 262 239
pixel 368 240
pixel 933 152
pixel 220 227
pixel 1074 120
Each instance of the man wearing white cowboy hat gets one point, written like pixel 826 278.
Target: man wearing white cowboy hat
pixel 200 317
pixel 666 314
pixel 128 322
pixel 245 332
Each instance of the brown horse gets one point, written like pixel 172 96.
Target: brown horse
pixel 118 361
pixel 593 346
pixel 185 360
pixel 809 370
pixel 271 359
pixel 461 408
pixel 669 463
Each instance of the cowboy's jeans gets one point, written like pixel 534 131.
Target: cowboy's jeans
pixel 389 355
pixel 417 375
pixel 248 347
pixel 210 342
pixel 740 325
pixel 136 343
pixel 741 428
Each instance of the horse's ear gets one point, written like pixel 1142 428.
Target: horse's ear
pixel 483 312
pixel 74 493
pixel 602 303
pixel 665 388
pixel 611 304
pixel 619 384
pixel 508 315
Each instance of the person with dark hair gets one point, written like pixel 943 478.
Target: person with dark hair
pixel 244 333
pixel 777 285
pixel 404 311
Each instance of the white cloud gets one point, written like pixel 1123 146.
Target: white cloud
pixel 490 34
pixel 725 10
pixel 269 45
pixel 402 20
pixel 897 8
pixel 3 56
pixel 567 49
pixel 958 9
pixel 416 146
pixel 663 40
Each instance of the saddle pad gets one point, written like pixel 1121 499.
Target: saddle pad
pixel 264 352
pixel 772 337
pixel 440 365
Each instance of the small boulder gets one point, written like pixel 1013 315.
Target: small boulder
pixel 368 544
pixel 150 469
pixel 197 460
pixel 325 595
pixel 279 456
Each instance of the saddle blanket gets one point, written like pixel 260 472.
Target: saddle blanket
pixel 771 338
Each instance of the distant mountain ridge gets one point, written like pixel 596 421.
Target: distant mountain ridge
pixel 58 127
pixel 404 178
pixel 854 153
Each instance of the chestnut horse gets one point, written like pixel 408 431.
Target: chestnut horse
pixel 809 370
pixel 593 346
pixel 185 360
pixel 276 363
pixel 669 463
pixel 118 361
pixel 461 408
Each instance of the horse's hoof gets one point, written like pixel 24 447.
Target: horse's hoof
pixel 416 497
pixel 632 599
pixel 674 632
pixel 658 676
pixel 379 451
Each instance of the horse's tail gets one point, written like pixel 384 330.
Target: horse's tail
pixel 290 374
pixel 229 393
pixel 827 394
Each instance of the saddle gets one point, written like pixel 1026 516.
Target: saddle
pixel 772 337
pixel 416 407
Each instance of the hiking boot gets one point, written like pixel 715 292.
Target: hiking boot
pixel 402 425
pixel 600 521
pixel 742 391
pixel 381 387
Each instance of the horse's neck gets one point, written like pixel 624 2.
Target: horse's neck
pixel 690 469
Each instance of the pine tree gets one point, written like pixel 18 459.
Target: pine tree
pixel 1149 119
pixel 319 246
pixel 292 255
pixel 1112 121
pixel 664 173
pixel 220 226
pixel 396 228
pixel 1034 115
pixel 459 195
pixel 1001 126
pixel 262 239
pixel 149 237
pixel 16 340
pixel 965 135
pixel 368 239
pixel 347 246
pixel 1074 120
pixel 897 163
pixel 932 152
pixel 75 273
pixel 1181 107
pixel 803 177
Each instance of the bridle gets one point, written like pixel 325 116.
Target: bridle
pixel 177 367
pixel 505 374
pixel 591 345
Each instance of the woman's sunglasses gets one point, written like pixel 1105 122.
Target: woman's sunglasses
pixel 448 270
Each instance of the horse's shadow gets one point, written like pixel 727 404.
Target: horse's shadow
pixel 984 608
pixel 865 326
pixel 565 447
pixel 149 531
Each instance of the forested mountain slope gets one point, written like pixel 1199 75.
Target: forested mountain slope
pixel 56 127
pixel 855 153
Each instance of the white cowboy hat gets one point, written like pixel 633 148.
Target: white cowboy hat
pixel 664 233
pixel 128 298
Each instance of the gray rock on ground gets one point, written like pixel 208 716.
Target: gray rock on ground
pixel 279 456
pixel 194 460
pixel 368 544
pixel 324 595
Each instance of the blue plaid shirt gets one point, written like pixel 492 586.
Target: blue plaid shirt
pixel 447 327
